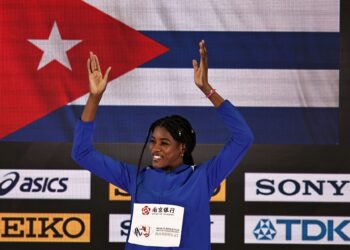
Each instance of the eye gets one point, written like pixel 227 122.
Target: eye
pixel 164 143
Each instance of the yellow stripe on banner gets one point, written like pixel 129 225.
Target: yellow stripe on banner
pixel 118 194
pixel 220 193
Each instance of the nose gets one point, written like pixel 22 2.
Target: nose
pixel 155 148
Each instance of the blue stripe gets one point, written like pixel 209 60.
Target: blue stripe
pixel 253 50
pixel 128 124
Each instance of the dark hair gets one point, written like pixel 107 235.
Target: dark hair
pixel 180 129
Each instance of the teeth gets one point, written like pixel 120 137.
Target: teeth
pixel 156 157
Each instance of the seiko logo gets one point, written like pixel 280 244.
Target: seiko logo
pixel 44 227
pixel 297 230
pixel 48 184
pixel 297 187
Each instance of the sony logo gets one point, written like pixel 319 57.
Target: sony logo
pixel 297 187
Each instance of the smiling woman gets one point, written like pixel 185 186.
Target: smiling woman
pixel 171 197
pixel 165 151
pixel 172 142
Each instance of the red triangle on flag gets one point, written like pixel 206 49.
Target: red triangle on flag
pixel 29 92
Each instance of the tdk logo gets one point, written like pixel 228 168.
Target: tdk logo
pixel 297 230
pixel 48 184
pixel 297 187
pixel 264 230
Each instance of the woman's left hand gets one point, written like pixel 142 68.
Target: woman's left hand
pixel 201 71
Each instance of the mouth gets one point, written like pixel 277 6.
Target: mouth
pixel 156 157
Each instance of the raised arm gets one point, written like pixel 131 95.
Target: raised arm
pixel 83 152
pixel 201 76
pixel 97 85
pixel 220 166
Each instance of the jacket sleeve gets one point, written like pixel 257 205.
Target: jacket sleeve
pixel 221 165
pixel 84 154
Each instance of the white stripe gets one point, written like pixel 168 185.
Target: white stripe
pixel 244 87
pixel 225 15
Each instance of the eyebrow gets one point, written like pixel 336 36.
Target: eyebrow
pixel 162 139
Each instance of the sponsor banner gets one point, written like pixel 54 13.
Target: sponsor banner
pixel 118 194
pixel 119 226
pixel 316 230
pixel 220 193
pixel 217 229
pixel 44 184
pixel 297 187
pixel 44 227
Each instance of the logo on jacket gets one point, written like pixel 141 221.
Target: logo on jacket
pixel 145 210
pixel 142 231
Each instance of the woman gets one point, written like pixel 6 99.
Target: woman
pixel 171 198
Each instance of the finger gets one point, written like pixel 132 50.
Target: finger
pixel 205 54
pixel 93 62
pixel 203 46
pixel 90 61
pixel 195 65
pixel 97 64
pixel 107 74
pixel 88 65
pixel 202 53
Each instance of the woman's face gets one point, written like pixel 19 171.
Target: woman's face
pixel 165 151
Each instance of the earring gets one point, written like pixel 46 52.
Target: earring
pixel 182 155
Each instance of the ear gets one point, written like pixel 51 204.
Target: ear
pixel 183 148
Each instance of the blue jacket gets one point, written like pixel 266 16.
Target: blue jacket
pixel 186 186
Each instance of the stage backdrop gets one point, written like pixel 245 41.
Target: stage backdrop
pixel 283 63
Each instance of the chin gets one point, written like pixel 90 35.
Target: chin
pixel 155 165
pixel 160 166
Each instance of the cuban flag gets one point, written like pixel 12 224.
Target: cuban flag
pixel 276 60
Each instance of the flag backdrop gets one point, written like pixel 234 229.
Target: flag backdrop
pixel 278 61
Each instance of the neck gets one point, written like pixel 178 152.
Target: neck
pixel 174 166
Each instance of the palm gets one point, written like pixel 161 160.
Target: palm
pixel 200 77
pixel 201 71
pixel 97 82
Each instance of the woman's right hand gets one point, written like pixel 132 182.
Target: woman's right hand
pixel 97 82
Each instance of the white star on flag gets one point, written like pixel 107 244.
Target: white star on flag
pixel 54 48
